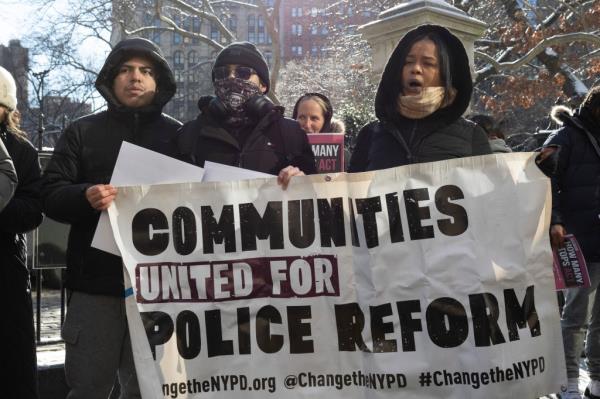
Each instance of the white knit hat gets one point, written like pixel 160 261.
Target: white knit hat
pixel 8 90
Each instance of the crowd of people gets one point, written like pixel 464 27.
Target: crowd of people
pixel 424 91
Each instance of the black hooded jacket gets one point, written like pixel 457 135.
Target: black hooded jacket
pixel 575 174
pixel 268 144
pixel 24 211
pixel 394 140
pixel 85 155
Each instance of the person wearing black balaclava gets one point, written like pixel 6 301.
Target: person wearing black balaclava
pixel 240 126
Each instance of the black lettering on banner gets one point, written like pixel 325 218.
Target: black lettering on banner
pixel 213 232
pixel 460 221
pixel 159 329
pixel 415 213
pixel 214 335
pixel 299 329
pixel 184 230
pixel 331 222
pixel 253 226
pixel 447 309
pixel 394 218
pixel 379 328
pixel 267 342
pixel 485 312
pixel 143 226
pixel 518 315
pixel 408 325
pixel 353 230
pixel 301 222
pixel 243 327
pixel 188 334
pixel 350 322
pixel 368 207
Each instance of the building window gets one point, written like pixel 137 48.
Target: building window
pixel 178 59
pixel 192 58
pixel 196 28
pixel 177 39
pixel 296 11
pixel 187 26
pixel 215 34
pixel 252 28
pixel 155 37
pixel 296 29
pixel 314 30
pixel 297 50
pixel 314 12
pixel 314 51
pixel 269 58
pixel 261 29
pixel 193 76
pixel 324 30
pixel 233 24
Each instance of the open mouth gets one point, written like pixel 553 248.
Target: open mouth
pixel 413 87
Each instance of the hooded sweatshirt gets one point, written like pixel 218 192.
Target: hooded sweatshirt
pixel 394 140
pixel 86 154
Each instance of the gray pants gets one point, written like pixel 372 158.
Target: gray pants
pixel 98 347
pixel 574 317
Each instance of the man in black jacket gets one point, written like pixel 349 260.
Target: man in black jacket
pixel 136 82
pixel 571 157
pixel 240 126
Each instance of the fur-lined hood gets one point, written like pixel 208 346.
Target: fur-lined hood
pixel 337 126
pixel 560 114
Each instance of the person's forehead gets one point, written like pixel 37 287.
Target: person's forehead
pixel 425 47
pixel 139 61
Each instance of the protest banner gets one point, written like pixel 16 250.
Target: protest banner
pixel 415 282
pixel 329 151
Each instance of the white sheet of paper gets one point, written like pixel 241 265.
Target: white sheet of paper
pixel 138 165
pixel 219 172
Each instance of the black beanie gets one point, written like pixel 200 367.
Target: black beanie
pixel 246 54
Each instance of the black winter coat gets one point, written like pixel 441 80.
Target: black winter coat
pixel 576 181
pixel 395 140
pixel 8 177
pixel 269 146
pixel 24 212
pixel 85 155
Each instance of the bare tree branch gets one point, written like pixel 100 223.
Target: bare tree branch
pixel 539 48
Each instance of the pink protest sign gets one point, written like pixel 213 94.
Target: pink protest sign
pixel 329 151
pixel 570 269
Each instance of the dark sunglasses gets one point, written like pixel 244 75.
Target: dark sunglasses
pixel 240 72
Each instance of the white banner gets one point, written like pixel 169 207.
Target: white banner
pixel 427 281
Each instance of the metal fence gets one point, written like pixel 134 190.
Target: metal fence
pixel 46 247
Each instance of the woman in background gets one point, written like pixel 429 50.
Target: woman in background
pixel 314 113
pixel 22 214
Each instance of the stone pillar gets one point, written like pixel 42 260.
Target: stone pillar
pixel 385 32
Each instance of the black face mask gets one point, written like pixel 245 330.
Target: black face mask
pixel 234 92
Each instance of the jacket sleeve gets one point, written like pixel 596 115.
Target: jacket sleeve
pixel 481 144
pixel 360 154
pixel 8 177
pixel 562 141
pixel 305 161
pixel 63 189
pixel 24 212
